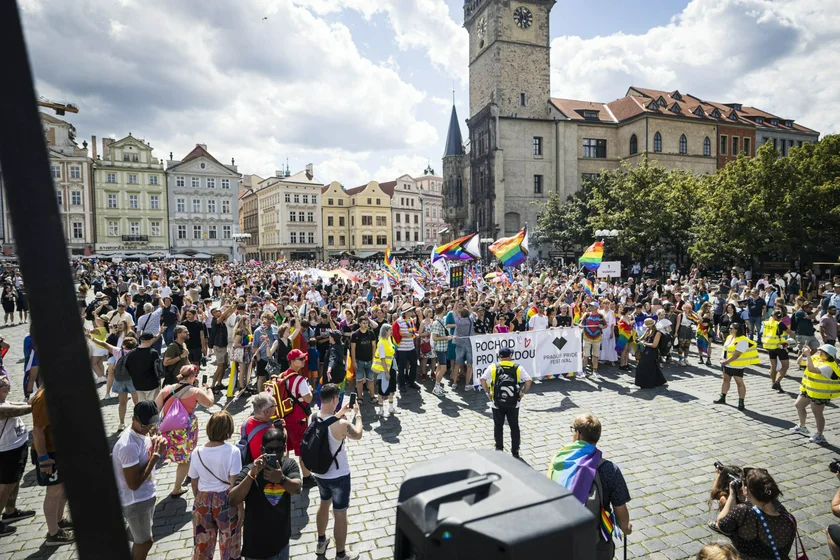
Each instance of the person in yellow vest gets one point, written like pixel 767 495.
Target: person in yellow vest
pixel 386 381
pixel 774 339
pixel 740 352
pixel 820 384
pixel 505 382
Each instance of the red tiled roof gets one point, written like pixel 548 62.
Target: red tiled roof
pixel 198 152
pixel 388 188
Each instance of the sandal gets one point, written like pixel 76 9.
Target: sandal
pixel 176 495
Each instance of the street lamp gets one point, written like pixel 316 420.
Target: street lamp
pixel 606 233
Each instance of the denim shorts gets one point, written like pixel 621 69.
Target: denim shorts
pixel 441 357
pixel 335 489
pixel 364 371
pixel 463 354
pixel 123 387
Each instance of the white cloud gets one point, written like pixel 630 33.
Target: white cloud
pixel 779 56
pixel 191 72
pixel 400 165
pixel 418 24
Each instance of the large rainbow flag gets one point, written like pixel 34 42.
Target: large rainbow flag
pixel 588 288
pixel 512 251
pixel 531 312
pixel 464 249
pixel 625 335
pixel 593 255
pixel 389 259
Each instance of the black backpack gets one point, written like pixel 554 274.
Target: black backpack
pixel 160 369
pixel 506 387
pixel 244 444
pixel 315 445
pixel 121 372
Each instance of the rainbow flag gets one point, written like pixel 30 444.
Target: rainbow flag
pixel 574 467
pixel 593 255
pixel 420 271
pixel 464 249
pixel 576 316
pixel 531 312
pixel 588 288
pixel 625 335
pixel 389 259
pixel 512 251
pixel 392 274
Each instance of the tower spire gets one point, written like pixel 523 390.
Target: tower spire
pixel 454 143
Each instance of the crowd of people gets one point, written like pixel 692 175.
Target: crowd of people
pixel 298 338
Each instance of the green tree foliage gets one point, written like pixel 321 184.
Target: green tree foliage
pixel 566 224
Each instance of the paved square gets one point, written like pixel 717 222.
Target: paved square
pixel 665 441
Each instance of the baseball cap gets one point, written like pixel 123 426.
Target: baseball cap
pixel 146 412
pixel 505 352
pixel 295 355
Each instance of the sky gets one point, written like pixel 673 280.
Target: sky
pixel 363 89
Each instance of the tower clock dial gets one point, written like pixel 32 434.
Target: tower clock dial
pixel 482 26
pixel 523 17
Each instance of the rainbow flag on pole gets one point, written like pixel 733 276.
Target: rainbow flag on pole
pixel 593 255
pixel 389 259
pixel 588 288
pixel 464 249
pixel 512 251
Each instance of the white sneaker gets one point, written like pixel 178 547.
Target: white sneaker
pixel 818 438
pixel 437 391
pixel 121 427
pixel 802 430
pixel 107 396
pixel 596 377
pixel 391 408
pixel 382 411
pixel 385 413
pixel 321 549
pixel 469 388
pixel 348 555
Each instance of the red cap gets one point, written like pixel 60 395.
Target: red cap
pixel 295 354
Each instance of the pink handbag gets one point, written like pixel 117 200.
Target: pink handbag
pixel 177 417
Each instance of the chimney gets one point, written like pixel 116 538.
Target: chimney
pixel 202 146
pixel 309 171
pixel 93 153
pixel 278 173
pixel 106 147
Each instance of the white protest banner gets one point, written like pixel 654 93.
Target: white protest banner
pixel 542 353
pixel 609 269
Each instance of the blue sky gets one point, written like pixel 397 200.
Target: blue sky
pixel 363 88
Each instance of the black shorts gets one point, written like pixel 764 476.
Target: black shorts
pixel 261 364
pixel 195 355
pixel 780 353
pixel 716 318
pixel 733 372
pixel 44 479
pixel 13 464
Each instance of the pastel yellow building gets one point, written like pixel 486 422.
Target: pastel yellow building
pixel 365 213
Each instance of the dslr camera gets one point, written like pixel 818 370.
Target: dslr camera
pixel 834 466
pixel 736 479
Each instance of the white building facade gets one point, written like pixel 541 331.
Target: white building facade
pixel 431 200
pixel 289 216
pixel 406 214
pixel 203 196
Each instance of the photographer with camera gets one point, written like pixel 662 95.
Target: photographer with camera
pixel 720 488
pixel 265 488
pixel 761 527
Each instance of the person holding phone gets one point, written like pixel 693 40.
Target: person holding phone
pixel 180 443
pixel 265 487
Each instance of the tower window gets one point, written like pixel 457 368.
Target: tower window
pixel 522 99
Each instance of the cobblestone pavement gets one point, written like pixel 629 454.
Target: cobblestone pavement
pixel 665 441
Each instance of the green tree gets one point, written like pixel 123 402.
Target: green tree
pixel 565 224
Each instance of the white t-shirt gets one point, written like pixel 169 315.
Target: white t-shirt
pixel 132 449
pixel 166 291
pixel 230 323
pixel 222 461
pixel 13 433
pixel 488 377
pixel 538 322
pixel 217 281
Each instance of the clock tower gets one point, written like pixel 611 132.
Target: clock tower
pixel 512 132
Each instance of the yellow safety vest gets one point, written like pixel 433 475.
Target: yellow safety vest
pixel 748 358
pixel 770 338
pixel 390 349
pixel 818 387
pixel 493 371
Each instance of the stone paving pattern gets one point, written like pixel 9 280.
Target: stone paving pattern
pixel 665 441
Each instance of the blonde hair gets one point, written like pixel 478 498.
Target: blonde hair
pixel 718 551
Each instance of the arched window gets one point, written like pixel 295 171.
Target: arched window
pixel 683 144
pixel 657 142
pixel 707 147
pixel 634 145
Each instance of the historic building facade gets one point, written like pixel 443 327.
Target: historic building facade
pixel 130 195
pixel 335 219
pixel 431 200
pixel 203 198
pixel 249 215
pixel 70 168
pixel 289 218
pixel 406 213
pixel 370 219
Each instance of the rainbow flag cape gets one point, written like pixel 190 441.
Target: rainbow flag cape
pixel 389 259
pixel 588 288
pixel 574 467
pixel 593 255
pixel 464 249
pixel 531 312
pixel 512 251
pixel 625 334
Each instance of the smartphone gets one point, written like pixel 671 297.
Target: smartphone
pixel 352 402
pixel 204 380
pixel 270 460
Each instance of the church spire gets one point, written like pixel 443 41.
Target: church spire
pixel 454 144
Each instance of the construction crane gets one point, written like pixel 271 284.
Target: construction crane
pixel 59 108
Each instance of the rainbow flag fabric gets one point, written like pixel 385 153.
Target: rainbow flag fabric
pixel 593 255
pixel 531 312
pixel 389 258
pixel 625 334
pixel 512 251
pixel 588 288
pixel 463 249
pixel 574 467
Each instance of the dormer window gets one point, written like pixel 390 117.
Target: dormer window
pixel 733 116
pixel 590 114
pixel 675 108
pixel 774 121
pixel 716 114
pixel 661 101
pixel 759 120
pixel 699 111
pixel 653 106
pixel 789 124
pixel 676 95
pixel 736 106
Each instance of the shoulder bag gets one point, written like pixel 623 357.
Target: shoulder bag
pixel 208 470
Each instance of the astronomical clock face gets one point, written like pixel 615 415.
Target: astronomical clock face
pixel 523 17
pixel 482 27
